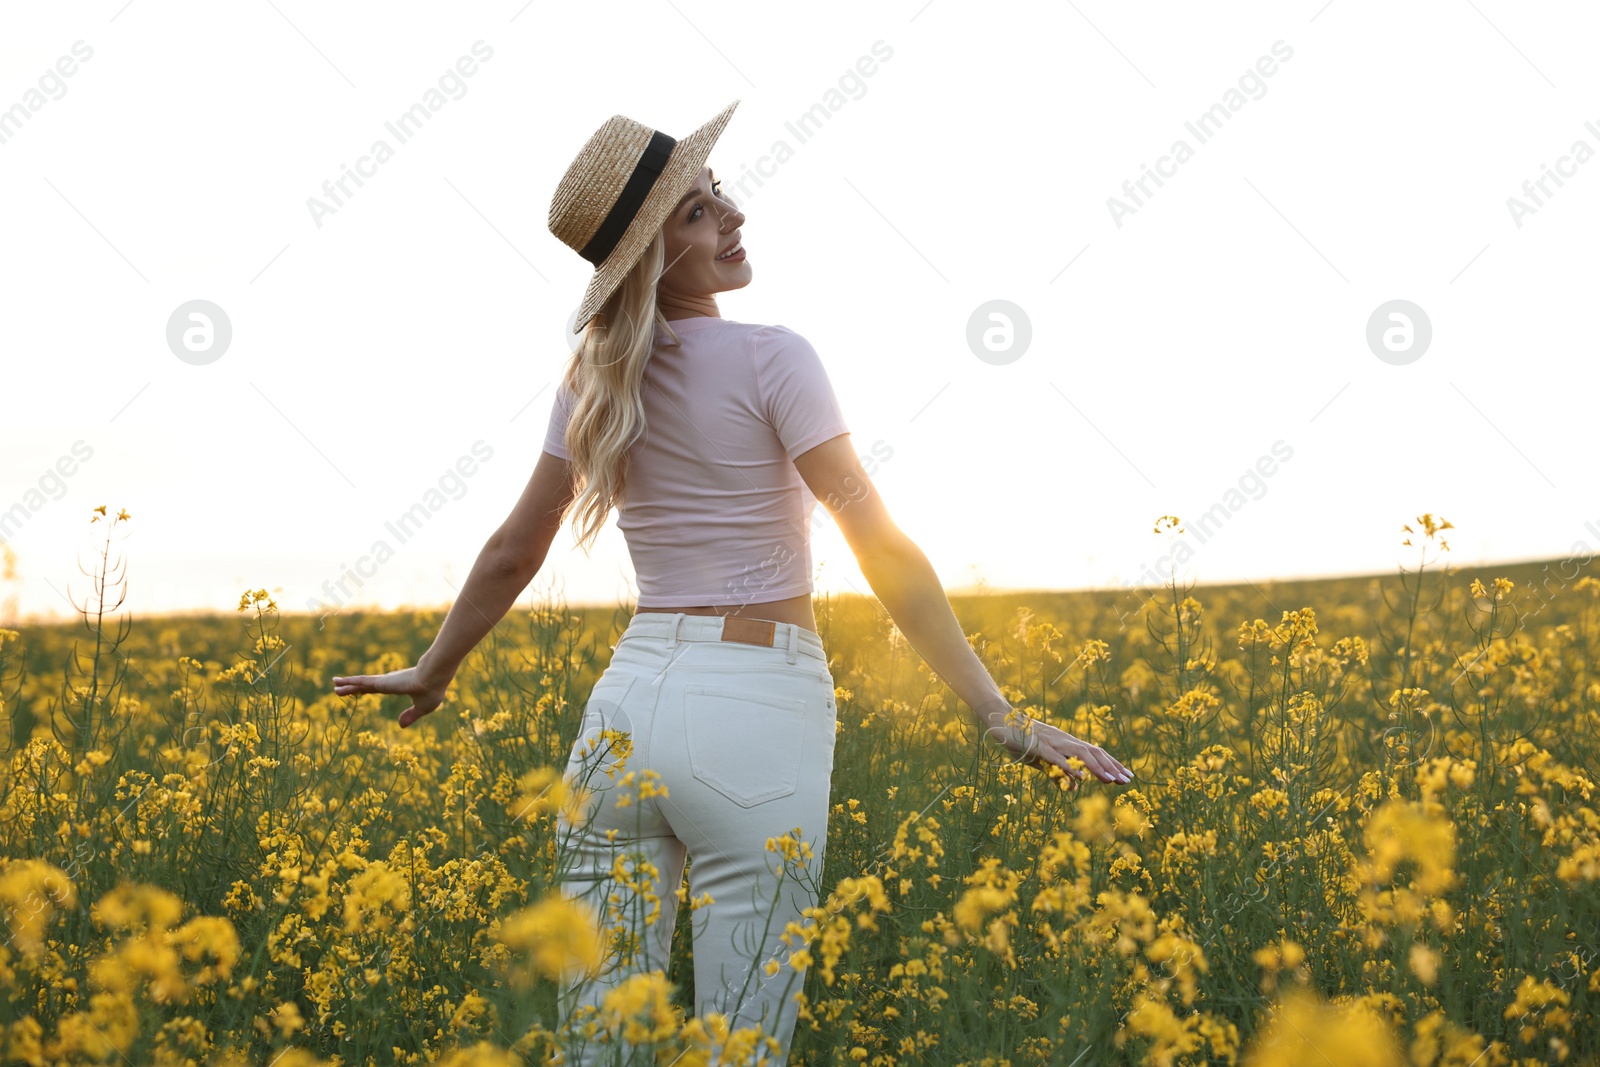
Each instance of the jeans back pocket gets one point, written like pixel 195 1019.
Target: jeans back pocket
pixel 745 745
pixel 603 711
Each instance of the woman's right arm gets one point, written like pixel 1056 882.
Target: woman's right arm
pixel 906 583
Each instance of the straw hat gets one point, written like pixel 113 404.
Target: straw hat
pixel 619 190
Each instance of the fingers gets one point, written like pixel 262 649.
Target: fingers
pixel 1048 746
pixel 1112 771
pixel 1117 766
pixel 403 682
pixel 1103 766
pixel 348 685
pixel 1088 767
pixel 356 684
pixel 1095 760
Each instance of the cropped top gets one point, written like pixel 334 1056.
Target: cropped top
pixel 714 511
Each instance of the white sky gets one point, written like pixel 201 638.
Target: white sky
pixel 974 163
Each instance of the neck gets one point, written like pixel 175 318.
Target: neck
pixel 696 307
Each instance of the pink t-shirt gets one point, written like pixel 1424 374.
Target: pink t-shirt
pixel 714 510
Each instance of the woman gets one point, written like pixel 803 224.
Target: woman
pixel 724 436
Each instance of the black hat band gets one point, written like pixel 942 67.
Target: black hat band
pixel 645 172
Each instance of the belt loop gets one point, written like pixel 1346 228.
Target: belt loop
pixel 672 638
pixel 794 637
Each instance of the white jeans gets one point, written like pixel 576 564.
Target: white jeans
pixel 742 738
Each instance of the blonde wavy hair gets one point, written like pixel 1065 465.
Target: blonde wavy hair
pixel 606 376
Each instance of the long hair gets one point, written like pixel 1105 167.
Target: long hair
pixel 606 375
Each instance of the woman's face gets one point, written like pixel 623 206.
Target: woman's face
pixel 703 225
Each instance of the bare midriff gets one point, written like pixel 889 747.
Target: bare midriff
pixel 795 609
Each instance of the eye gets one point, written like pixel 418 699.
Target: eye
pixel 715 191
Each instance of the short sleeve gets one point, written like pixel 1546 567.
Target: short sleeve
pixel 796 397
pixel 555 437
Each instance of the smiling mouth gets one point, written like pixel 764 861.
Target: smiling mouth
pixel 733 253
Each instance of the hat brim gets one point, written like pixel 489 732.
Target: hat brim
pixel 682 169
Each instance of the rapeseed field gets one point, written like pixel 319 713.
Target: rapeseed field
pixel 1364 831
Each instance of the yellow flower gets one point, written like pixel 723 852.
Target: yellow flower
pixel 1539 1005
pixel 370 895
pixel 1090 822
pixel 993 890
pixel 1440 1041
pixel 1400 831
pixel 145 962
pixel 255 596
pixel 1180 959
pixel 853 891
pixel 546 790
pixel 209 938
pixel 1304 1029
pixel 641 1007
pixel 1424 963
pixel 651 786
pixel 1284 956
pixel 482 1054
pixel 1582 866
pixel 1170 1036
pixel 30 892
pixel 131 906
pixel 286 1017
pixel 109 1026
pixel 1193 706
pixel 1129 916
pixel 560 936
pixel 1128 819
pixel 790 846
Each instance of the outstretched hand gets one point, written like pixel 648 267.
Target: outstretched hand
pixel 426 693
pixel 1042 746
